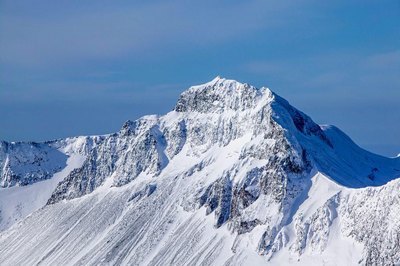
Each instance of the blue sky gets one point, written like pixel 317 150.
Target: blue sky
pixel 84 67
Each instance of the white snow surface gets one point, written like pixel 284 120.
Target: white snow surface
pixel 233 176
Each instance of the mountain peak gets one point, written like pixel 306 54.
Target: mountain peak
pixel 216 79
pixel 221 94
pixel 226 84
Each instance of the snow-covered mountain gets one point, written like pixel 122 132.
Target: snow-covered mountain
pixel 234 175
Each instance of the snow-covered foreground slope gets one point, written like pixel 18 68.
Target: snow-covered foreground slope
pixel 234 175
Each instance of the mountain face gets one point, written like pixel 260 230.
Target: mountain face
pixel 234 175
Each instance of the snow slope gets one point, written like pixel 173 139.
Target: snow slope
pixel 234 175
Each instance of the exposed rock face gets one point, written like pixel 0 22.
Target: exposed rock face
pixel 138 147
pixel 233 173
